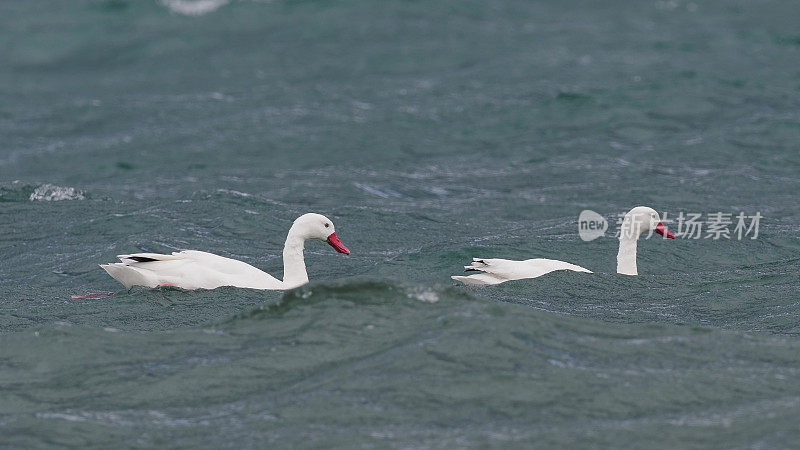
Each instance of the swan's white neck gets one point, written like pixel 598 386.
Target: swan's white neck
pixel 294 265
pixel 626 257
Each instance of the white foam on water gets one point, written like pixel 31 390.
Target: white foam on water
pixel 62 416
pixel 235 193
pixel 53 193
pixel 423 295
pixel 194 8
pixel 378 192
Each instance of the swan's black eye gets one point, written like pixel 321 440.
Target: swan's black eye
pixel 327 225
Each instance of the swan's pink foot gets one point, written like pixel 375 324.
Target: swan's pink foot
pixel 166 284
pixel 92 295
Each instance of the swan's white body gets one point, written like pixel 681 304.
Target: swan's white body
pixel 496 271
pixel 192 269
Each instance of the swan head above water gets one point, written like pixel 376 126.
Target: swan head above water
pixel 639 220
pixel 643 219
pixel 314 226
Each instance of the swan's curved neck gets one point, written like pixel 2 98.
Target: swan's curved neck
pixel 294 265
pixel 626 257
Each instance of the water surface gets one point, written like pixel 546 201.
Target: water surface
pixel 430 132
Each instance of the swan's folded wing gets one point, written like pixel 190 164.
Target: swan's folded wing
pixel 134 258
pixel 218 263
pixel 188 269
pixel 176 259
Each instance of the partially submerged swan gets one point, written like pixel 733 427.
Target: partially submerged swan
pixel 494 271
pixel 192 269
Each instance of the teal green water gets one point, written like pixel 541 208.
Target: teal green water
pixel 430 132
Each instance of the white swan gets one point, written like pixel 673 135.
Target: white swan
pixel 495 271
pixel 192 269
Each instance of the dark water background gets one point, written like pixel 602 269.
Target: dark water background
pixel 430 132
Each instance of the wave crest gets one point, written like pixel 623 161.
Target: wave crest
pixel 53 193
pixel 362 292
pixel 20 192
pixel 194 8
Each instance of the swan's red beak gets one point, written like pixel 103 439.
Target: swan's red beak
pixel 662 230
pixel 337 244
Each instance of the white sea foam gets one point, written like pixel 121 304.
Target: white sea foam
pixel 235 193
pixel 378 192
pixel 194 8
pixel 423 295
pixel 53 193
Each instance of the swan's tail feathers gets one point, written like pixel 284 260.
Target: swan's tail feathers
pixel 477 265
pixel 484 278
pixel 130 276
pixel 481 279
pixel 151 269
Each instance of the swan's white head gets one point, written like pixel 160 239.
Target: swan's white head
pixel 642 219
pixel 318 227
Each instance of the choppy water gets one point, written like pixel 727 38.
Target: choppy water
pixel 430 132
